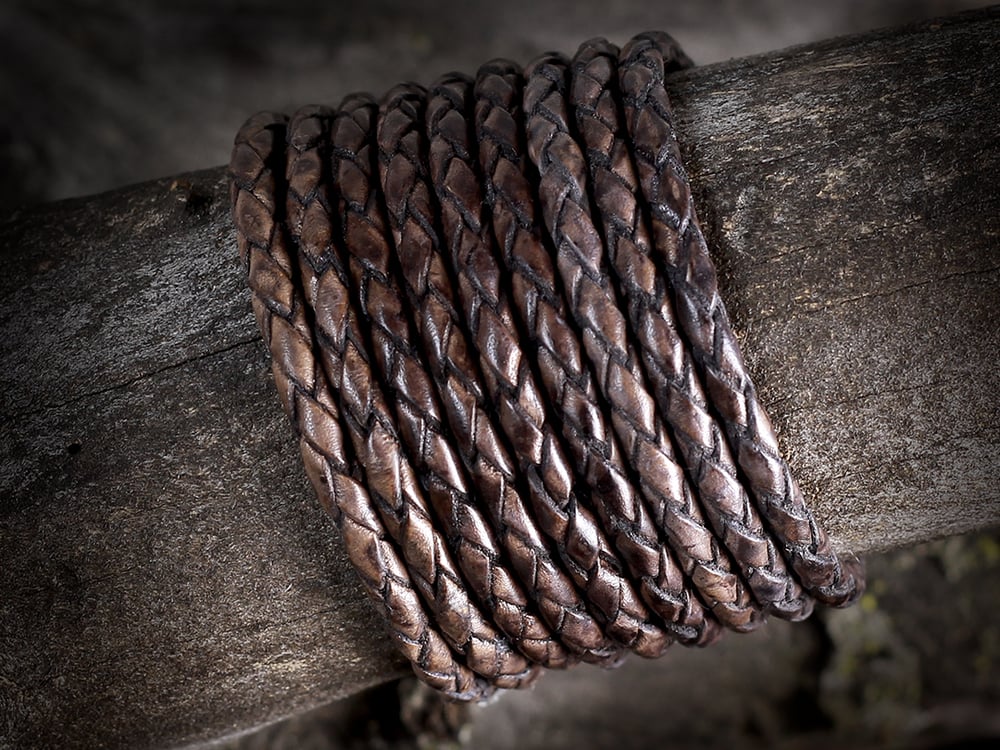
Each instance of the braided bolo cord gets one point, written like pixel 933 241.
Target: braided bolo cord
pixel 668 365
pixel 525 410
pixel 572 399
pixel 580 260
pixel 681 246
pixel 429 287
pixel 279 305
pixel 480 555
pixel 497 331
pixel 413 396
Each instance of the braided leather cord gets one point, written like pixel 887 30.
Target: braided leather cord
pixel 562 365
pixel 411 217
pixel 668 365
pixel 580 259
pixel 256 175
pixel 370 262
pixel 691 273
pixel 508 371
pixel 493 320
pixel 392 482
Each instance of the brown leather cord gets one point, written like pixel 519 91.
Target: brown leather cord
pixel 510 377
pixel 580 259
pixel 257 190
pixel 668 365
pixel 494 324
pixel 372 270
pixel 392 482
pixel 563 368
pixel 429 288
pixel 691 273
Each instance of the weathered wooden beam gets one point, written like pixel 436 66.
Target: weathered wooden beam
pixel 165 574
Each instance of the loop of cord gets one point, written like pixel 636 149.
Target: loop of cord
pixel 497 331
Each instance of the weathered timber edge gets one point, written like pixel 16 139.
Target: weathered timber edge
pixel 165 573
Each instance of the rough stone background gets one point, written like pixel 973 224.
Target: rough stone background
pixel 94 95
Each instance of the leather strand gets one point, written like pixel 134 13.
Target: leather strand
pixel 428 285
pixel 497 331
pixel 257 168
pixel 691 273
pixel 488 315
pixel 669 509
pixel 668 366
pixel 371 259
pixel 392 483
pixel 563 368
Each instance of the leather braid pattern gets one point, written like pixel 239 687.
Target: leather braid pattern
pixel 580 259
pixel 681 245
pixel 371 259
pixel 430 291
pixel 511 378
pixel 497 331
pixel 257 181
pixel 392 483
pixel 668 365
pixel 562 365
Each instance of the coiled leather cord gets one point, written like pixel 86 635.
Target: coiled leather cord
pixel 497 330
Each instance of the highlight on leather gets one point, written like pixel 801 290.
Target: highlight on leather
pixel 496 328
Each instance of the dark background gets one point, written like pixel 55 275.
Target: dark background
pixel 95 95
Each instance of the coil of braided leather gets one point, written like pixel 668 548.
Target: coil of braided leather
pixel 416 404
pixel 497 331
pixel 668 365
pixel 681 245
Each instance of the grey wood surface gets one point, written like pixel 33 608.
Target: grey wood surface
pixel 165 573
